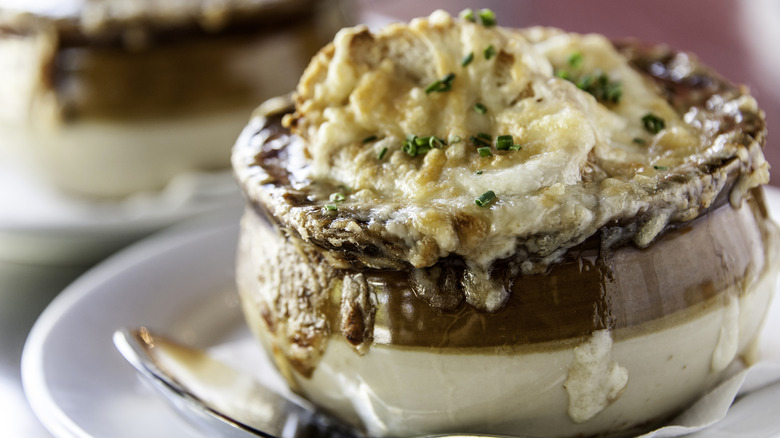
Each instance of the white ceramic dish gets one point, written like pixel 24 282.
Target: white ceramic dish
pixel 41 226
pixel 180 283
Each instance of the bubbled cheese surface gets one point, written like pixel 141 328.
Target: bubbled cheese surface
pixel 582 162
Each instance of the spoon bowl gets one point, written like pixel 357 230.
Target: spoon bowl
pixel 218 398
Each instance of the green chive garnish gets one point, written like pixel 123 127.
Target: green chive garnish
pixel 369 139
pixel 410 146
pixel 484 151
pixel 484 135
pixel 638 140
pixel 331 207
pixel 382 153
pixel 337 197
pixel 653 124
pixel 414 145
pixel 487 17
pixel 485 198
pixel 613 92
pixel 504 142
pixel 468 14
pixel 585 82
pixel 441 85
pixel 515 147
pixel 479 141
pixel 480 108
pixel 489 52
pixel 564 74
pixel 479 172
pixel 660 168
pixel 467 59
pixel 598 84
pixel 575 60
pixel 428 142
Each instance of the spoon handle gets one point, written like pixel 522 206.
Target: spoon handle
pixel 218 398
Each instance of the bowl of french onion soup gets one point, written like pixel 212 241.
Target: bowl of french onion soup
pixel 452 226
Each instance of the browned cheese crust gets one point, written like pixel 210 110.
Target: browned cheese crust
pixel 355 249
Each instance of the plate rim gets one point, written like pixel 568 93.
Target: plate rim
pixel 34 377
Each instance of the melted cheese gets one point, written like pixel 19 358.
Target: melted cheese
pixel 579 166
pixel 595 380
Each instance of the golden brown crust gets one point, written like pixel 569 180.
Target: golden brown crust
pixel 351 234
pixel 510 298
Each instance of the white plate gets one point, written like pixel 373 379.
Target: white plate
pixel 180 282
pixel 39 225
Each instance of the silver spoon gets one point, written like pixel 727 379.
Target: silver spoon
pixel 220 399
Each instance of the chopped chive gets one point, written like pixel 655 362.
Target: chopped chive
pixel 653 124
pixel 468 14
pixel 337 197
pixel 480 108
pixel 598 84
pixel 410 147
pixel 504 142
pixel 487 17
pixel 660 168
pixel 479 172
pixel 455 139
pixel 484 135
pixel 429 142
pixel 638 140
pixel 575 60
pixel 515 147
pixel 485 198
pixel 585 82
pixel 331 207
pixel 467 59
pixel 479 141
pixel 613 92
pixel 421 150
pixel 441 85
pixel 382 153
pixel 563 74
pixel 489 52
pixel 484 151
pixel 370 139
pixel 414 145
